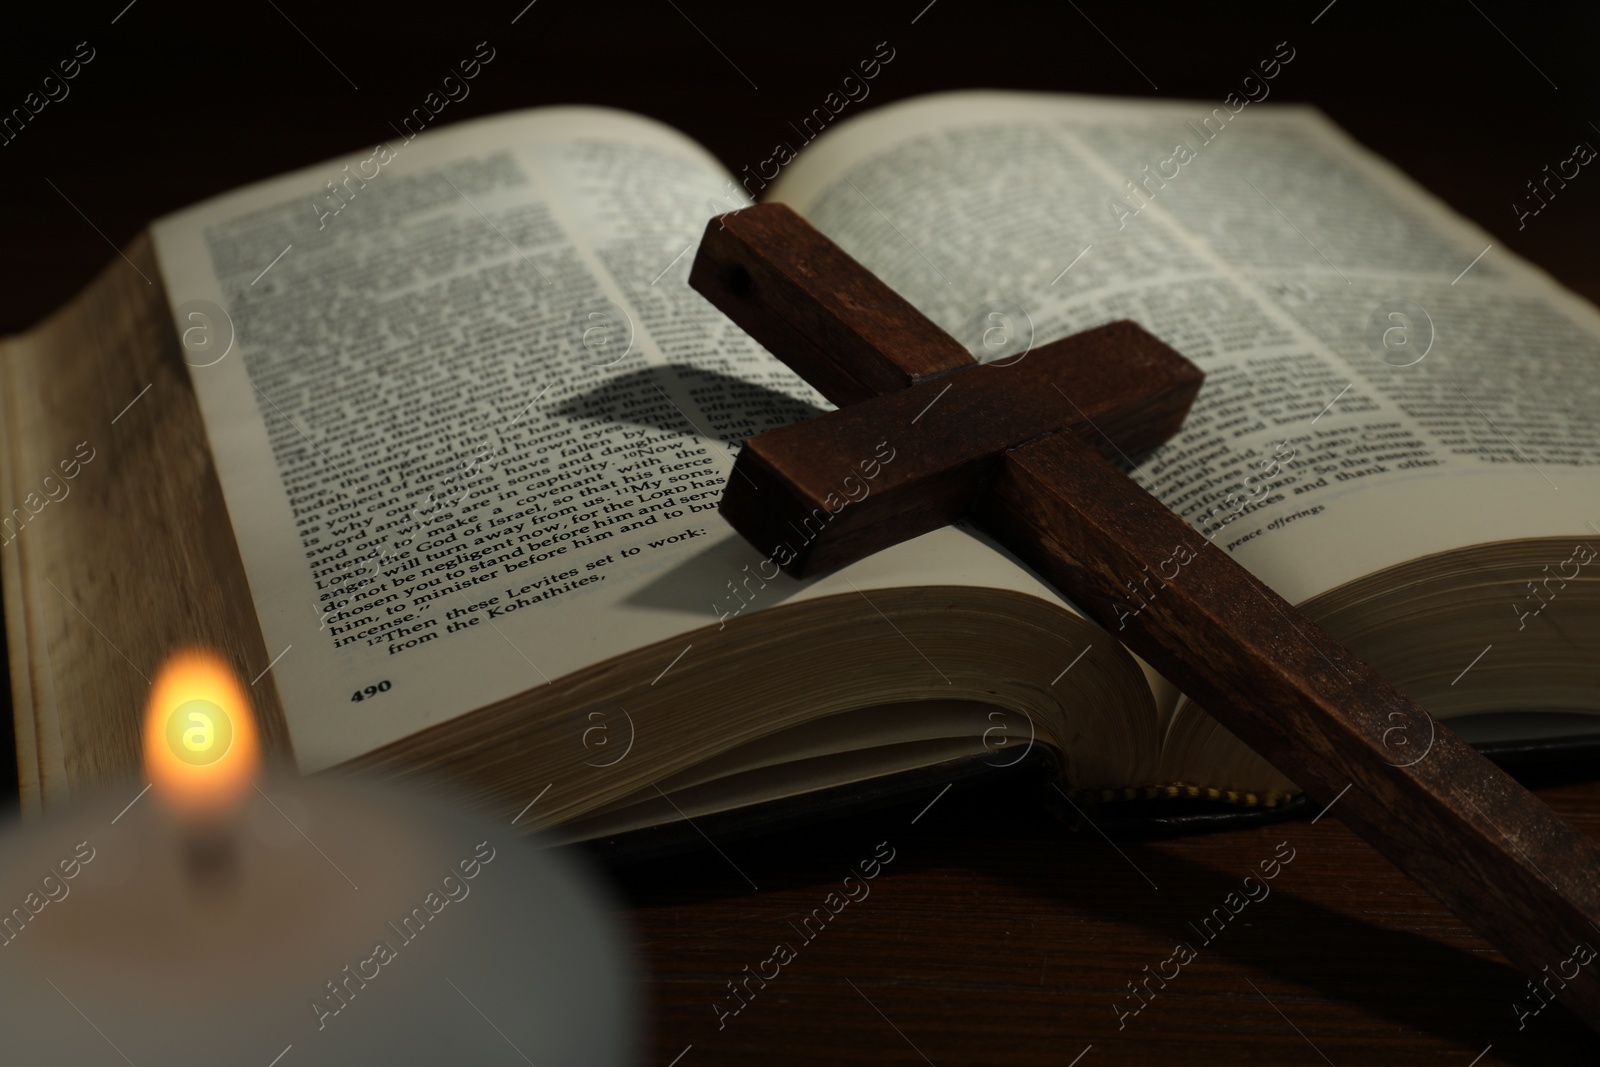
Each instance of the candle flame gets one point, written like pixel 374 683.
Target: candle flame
pixel 201 751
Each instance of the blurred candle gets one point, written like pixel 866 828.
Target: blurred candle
pixel 202 757
pixel 225 920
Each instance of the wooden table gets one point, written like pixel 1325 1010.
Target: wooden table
pixel 995 936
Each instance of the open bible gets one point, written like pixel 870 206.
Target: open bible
pixel 429 442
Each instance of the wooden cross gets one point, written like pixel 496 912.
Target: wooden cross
pixel 1023 450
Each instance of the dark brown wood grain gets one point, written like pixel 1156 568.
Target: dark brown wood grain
pixel 1463 829
pixel 1491 851
pixel 797 292
pixel 883 470
pixel 1000 937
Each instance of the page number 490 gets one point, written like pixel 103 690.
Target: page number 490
pixel 370 691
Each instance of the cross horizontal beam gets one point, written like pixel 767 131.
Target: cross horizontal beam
pixel 905 383
pixel 1118 387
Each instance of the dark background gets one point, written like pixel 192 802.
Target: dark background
pixel 185 100
pixel 998 937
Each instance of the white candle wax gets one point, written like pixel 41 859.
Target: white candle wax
pixel 361 924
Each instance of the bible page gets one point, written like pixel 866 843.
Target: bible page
pixel 471 424
pixel 1365 348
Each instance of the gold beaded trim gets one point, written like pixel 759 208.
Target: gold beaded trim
pixel 1271 798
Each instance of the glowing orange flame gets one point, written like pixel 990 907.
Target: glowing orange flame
pixel 201 751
